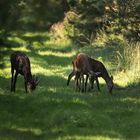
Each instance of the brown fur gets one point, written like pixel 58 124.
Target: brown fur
pixel 82 64
pixel 20 63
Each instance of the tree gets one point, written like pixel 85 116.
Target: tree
pixel 111 16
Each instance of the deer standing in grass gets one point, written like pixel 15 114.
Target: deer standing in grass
pixel 81 67
pixel 20 63
pixel 82 64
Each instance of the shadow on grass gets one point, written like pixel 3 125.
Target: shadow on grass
pixel 6 46
pixel 5 50
pixel 4 84
pixel 55 111
pixel 50 114
pixel 35 38
pixel 30 40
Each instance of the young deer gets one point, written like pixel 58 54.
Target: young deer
pixel 82 64
pixel 21 64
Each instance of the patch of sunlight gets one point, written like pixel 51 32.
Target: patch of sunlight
pixel 77 100
pixel 121 79
pixel 36 45
pixel 58 54
pixel 133 76
pixel 64 43
pixel 38 61
pixel 132 100
pixel 38 69
pixel 16 39
pixel 2 92
pixel 5 72
pixel 60 70
pixel 32 34
pixel 35 131
pixel 86 138
pixel 28 34
pixel 61 44
pixel 56 70
pixel 101 80
pixel 24 49
pixel 7 62
pixel 52 89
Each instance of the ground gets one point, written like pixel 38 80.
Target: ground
pixel 54 111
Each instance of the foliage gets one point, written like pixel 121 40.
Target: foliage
pixel 128 62
pixel 29 15
pixel 112 16
pixel 108 30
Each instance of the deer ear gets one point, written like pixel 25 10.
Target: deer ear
pixel 111 77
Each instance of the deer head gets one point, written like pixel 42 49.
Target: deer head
pixel 110 84
pixel 31 85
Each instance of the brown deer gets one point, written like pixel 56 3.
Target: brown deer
pixel 82 64
pixel 98 66
pixel 81 67
pixel 21 64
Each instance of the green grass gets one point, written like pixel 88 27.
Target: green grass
pixel 54 111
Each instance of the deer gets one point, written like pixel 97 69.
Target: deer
pixel 83 64
pixel 81 67
pixel 20 64
pixel 99 66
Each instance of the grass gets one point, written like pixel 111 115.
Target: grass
pixel 56 112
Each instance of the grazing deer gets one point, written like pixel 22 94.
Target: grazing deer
pixel 81 67
pixel 83 64
pixel 98 66
pixel 21 64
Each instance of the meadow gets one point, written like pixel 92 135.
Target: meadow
pixel 56 112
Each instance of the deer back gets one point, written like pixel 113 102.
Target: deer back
pixel 81 63
pixel 21 63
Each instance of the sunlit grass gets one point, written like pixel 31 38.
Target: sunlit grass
pixel 59 54
pixel 130 100
pixel 86 138
pixel 122 79
pixel 33 130
pixel 55 111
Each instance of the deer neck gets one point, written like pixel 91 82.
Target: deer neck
pixel 28 76
pixel 106 77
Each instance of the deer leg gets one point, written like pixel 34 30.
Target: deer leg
pixel 86 82
pixel 97 82
pixel 12 78
pixel 91 83
pixel 69 77
pixel 25 84
pixel 76 84
pixel 77 81
pixel 83 84
pixel 15 79
pixel 79 84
